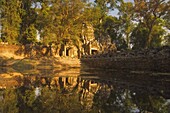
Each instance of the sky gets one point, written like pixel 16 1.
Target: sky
pixel 114 12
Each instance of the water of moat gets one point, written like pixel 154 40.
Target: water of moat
pixel 84 91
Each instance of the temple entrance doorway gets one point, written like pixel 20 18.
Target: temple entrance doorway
pixel 94 51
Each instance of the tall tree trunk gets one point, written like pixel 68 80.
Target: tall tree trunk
pixel 149 38
pixel 127 41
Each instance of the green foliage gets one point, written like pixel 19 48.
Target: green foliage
pixel 27 28
pixel 30 35
pixel 126 13
pixel 157 35
pixel 167 39
pixel 57 20
pixel 138 37
pixel 111 27
pixel 60 20
pixel 10 20
pixel 151 15
pixel 9 104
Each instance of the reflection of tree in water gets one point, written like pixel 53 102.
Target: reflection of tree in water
pixel 125 101
pixel 117 100
pixel 148 102
pixel 77 95
pixel 52 99
pixel 8 101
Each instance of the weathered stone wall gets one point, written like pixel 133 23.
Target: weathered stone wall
pixel 131 64
pixel 144 60
pixel 30 51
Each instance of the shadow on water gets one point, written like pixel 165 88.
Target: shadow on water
pixel 83 91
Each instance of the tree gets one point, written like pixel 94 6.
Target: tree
pixel 30 33
pixel 139 36
pixel 109 26
pixel 158 34
pixel 126 13
pixel 45 21
pixel 140 33
pixel 10 20
pixel 10 101
pixel 112 29
pixel 167 39
pixel 61 19
pixel 152 11
pixel 27 27
pixel 93 15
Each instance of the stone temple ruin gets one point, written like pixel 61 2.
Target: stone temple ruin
pixel 90 45
pixel 68 49
pixel 86 44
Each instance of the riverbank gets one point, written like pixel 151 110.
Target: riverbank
pixel 40 63
pixel 12 71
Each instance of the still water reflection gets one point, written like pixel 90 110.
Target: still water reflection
pixel 84 91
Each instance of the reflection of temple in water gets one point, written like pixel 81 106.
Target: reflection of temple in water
pixel 92 92
pixel 85 88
